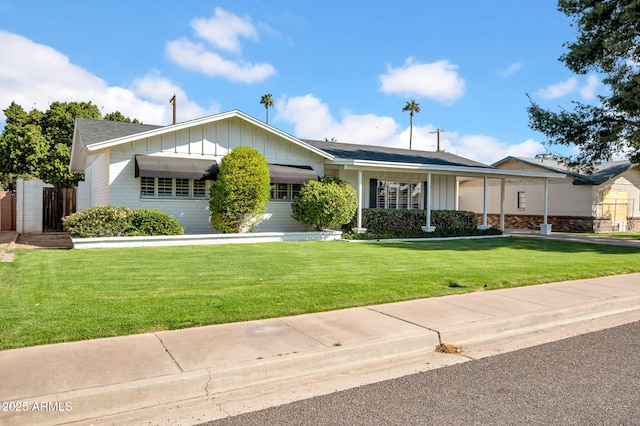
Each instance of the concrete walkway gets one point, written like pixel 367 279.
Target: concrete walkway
pixel 83 381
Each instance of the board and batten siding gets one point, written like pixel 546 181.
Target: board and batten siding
pixel 277 218
pixel 443 187
pixel 98 169
pixel 117 185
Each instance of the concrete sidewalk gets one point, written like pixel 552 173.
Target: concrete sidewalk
pixel 77 381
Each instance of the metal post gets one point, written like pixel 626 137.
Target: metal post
pixel 502 191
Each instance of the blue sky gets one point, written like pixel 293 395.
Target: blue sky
pixel 336 69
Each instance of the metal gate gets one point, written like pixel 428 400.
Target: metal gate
pixel 56 204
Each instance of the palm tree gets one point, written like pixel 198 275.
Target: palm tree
pixel 267 101
pixel 412 107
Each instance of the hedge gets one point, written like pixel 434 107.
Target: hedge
pixel 111 221
pixel 381 223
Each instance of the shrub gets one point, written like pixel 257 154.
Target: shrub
pixel 412 221
pixel 155 222
pixel 110 221
pixel 100 221
pixel 381 223
pixel 241 192
pixel 324 203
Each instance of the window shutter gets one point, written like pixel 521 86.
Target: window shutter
pixel 373 193
pixel 425 194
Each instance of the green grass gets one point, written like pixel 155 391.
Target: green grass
pixel 628 235
pixel 49 296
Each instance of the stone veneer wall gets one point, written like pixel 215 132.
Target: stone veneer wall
pixel 560 223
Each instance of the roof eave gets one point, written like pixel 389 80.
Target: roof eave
pixel 441 169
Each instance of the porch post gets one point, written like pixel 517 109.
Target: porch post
pixel 502 190
pixel 545 228
pixel 359 229
pixel 484 207
pixel 428 228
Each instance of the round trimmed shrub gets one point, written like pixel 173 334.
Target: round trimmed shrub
pixel 241 192
pixel 328 202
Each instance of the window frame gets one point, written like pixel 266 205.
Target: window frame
pixel 284 191
pixel 392 195
pixel 172 189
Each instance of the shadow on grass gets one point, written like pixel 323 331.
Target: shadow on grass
pixel 511 243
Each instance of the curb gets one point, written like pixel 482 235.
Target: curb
pixel 93 403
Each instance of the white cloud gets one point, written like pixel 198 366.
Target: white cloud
pixel 312 119
pixel 34 75
pixel 193 56
pixel 488 150
pixel 224 29
pixel 437 80
pixel 588 91
pixel 511 69
pixel 559 90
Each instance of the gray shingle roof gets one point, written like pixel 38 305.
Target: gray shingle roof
pixel 602 171
pixel 95 131
pixel 392 155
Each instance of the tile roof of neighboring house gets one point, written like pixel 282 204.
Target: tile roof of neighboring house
pixel 602 172
pixel 392 155
pixel 94 131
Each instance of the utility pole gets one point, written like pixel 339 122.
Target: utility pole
pixel 173 101
pixel 438 131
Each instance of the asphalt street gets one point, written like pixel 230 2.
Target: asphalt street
pixel 589 379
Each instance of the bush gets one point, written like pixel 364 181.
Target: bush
pixel 155 222
pixel 110 221
pixel 241 192
pixel 381 223
pixel 325 203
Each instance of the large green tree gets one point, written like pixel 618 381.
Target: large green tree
pixel 241 192
pixel 608 43
pixel 38 145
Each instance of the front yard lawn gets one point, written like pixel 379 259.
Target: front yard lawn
pixel 49 296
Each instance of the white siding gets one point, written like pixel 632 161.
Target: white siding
pixel 214 140
pixel 98 171
pixel 443 187
pixel 277 218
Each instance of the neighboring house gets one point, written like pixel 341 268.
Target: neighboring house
pixel 170 168
pixel 604 201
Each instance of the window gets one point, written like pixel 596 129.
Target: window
pixel 151 187
pixel 284 191
pixel 164 187
pixel 521 200
pixel 399 196
pixel 182 188
pixel 199 189
pixel 147 187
